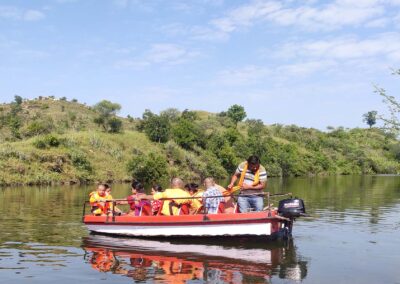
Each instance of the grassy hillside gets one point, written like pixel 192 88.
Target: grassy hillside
pixel 55 141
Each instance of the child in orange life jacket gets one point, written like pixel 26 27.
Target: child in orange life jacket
pixel 98 200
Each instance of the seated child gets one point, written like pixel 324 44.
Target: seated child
pixel 156 204
pixel 117 211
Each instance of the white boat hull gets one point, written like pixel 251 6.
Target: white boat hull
pixel 257 229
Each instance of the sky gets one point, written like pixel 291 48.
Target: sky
pixel 310 63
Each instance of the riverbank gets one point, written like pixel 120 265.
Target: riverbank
pixel 57 142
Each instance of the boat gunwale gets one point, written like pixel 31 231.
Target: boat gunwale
pixel 183 220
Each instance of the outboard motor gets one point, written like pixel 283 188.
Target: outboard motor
pixel 291 208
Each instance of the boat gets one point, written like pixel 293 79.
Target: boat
pixel 271 223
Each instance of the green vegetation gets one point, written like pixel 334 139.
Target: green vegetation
pixel 370 118
pixel 51 141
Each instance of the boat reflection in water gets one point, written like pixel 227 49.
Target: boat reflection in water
pixel 179 261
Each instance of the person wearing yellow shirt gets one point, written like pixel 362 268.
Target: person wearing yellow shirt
pixel 98 200
pixel 175 196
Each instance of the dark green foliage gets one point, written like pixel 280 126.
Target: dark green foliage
pixel 14 123
pixel 18 100
pixel 370 118
pixel 80 161
pixel 236 113
pixel 148 168
pixel 114 125
pixel 46 142
pixel 172 114
pixel 106 116
pixel 38 127
pixel 187 134
pixel 157 128
pixel 255 127
pixel 189 115
pixel 63 99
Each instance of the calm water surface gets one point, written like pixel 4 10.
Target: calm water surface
pixel 353 237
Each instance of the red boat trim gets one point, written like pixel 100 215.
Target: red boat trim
pixel 199 223
pixel 185 220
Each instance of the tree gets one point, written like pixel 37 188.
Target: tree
pixel 370 118
pixel 172 114
pixel 189 115
pixel 114 124
pixel 18 100
pixel 187 134
pixel 157 128
pixel 236 113
pixel 148 168
pixel 392 123
pixel 106 116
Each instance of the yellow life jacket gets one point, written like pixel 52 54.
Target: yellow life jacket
pixel 242 176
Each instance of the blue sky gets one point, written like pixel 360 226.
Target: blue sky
pixel 310 63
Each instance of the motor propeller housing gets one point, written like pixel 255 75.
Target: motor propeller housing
pixel 292 208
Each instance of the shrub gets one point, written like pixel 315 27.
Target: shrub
pixel 150 168
pixel 80 161
pixel 47 141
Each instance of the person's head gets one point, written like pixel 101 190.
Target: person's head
pixel 253 163
pixel 134 183
pixel 176 183
pixel 192 188
pixel 139 188
pixel 108 189
pixel 209 182
pixel 101 189
pixel 156 188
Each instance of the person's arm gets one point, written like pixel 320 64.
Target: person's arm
pixel 233 180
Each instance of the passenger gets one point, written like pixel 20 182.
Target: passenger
pixel 252 181
pixel 137 201
pixel 212 197
pixel 229 204
pixel 170 205
pixel 98 201
pixel 109 197
pixel 156 204
pixel 193 189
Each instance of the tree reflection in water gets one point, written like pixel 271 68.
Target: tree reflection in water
pixel 181 261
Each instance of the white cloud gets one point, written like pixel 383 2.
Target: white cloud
pixel 161 53
pixel 253 75
pixel 8 12
pixel 382 45
pixel 14 13
pixel 309 15
pixel 33 15
pixel 243 75
pixel 246 15
pixel 378 23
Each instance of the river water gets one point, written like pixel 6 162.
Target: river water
pixel 353 237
